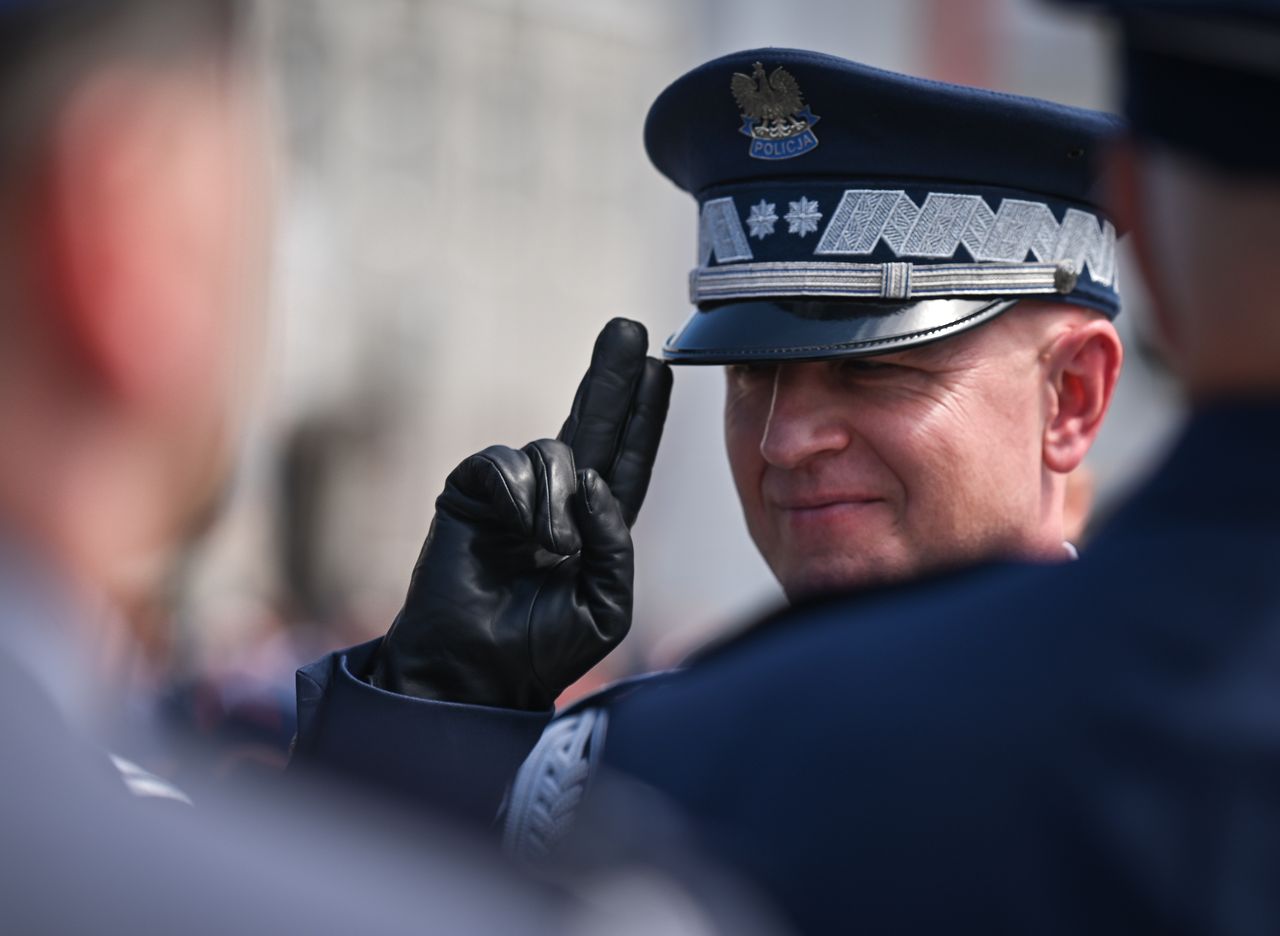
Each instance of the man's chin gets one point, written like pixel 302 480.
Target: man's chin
pixel 826 578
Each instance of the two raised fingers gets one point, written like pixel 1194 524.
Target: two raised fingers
pixel 615 424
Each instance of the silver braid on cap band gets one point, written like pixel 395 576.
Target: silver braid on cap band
pixel 950 245
pixel 901 281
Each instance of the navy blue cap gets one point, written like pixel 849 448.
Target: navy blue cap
pixel 1203 77
pixel 847 210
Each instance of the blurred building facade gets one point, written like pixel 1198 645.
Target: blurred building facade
pixel 466 200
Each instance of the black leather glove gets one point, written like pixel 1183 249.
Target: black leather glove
pixel 525 580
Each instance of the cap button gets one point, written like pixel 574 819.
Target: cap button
pixel 1065 278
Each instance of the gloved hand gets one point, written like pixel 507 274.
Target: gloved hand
pixel 525 580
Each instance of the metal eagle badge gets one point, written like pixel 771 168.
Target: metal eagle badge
pixel 774 114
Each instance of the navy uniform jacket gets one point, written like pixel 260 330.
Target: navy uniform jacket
pixel 79 854
pixel 1092 747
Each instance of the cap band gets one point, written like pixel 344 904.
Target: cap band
pixel 943 227
pixel 836 280
pixel 780 240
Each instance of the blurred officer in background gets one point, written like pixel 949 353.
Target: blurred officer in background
pixel 915 314
pixel 133 224
pixel 1087 748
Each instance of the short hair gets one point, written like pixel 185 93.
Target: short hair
pixel 47 45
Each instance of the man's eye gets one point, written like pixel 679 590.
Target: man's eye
pixel 861 366
pixel 752 370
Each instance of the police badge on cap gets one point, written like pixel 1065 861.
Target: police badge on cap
pixel 773 114
pixel 929 208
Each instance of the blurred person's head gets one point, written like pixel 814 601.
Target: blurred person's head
pixel 1208 245
pixel 132 225
pixel 914 310
pixel 1198 182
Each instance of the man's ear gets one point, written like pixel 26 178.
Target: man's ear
pixel 122 266
pixel 1083 367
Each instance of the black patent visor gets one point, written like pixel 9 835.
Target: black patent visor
pixel 796 330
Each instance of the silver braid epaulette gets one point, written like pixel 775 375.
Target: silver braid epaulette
pixel 551 783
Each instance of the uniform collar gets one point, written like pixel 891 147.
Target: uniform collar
pixel 43 627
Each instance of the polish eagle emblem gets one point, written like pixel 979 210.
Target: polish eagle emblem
pixel 774 114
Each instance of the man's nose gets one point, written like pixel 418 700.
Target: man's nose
pixel 805 419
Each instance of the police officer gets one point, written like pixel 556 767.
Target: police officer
pixel 1093 747
pixel 911 285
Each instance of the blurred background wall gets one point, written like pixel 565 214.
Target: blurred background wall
pixel 465 202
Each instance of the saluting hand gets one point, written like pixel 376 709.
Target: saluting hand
pixel 525 580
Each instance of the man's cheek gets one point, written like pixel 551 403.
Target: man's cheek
pixel 926 455
pixel 744 422
pixel 743 464
pixel 746 468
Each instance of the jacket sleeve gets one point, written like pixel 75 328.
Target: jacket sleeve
pixel 456 759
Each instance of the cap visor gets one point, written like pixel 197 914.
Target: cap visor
pixel 787 330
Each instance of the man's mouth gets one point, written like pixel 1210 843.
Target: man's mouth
pixel 822 516
pixel 827 502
